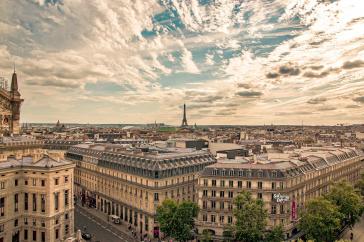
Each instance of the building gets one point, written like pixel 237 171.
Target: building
pixel 10 103
pixel 132 182
pixel 284 184
pixel 36 193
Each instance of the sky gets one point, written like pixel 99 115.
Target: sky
pixel 231 61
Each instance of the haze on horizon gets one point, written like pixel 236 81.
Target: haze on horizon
pixel 232 62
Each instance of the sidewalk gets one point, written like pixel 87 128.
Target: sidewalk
pixel 358 231
pixel 102 218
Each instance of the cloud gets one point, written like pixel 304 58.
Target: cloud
pixel 359 99
pixel 54 83
pixel 272 75
pixel 249 94
pixel 289 70
pixel 311 74
pixel 317 100
pixel 353 106
pixel 353 64
pixel 326 108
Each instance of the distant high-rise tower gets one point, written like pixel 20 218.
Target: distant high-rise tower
pixel 184 120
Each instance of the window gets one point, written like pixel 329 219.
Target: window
pixel 25 234
pixel 222 205
pixel 1 228
pixel 66 179
pixel 221 219
pixel 213 218
pixel 2 206
pixel 26 182
pixel 273 210
pixel 222 183
pixel 260 195
pixel 204 193
pixel 34 181
pixel 230 206
pixel 34 202
pixel 34 235
pixel 42 202
pixel 16 223
pixel 281 209
pixel 56 200
pixel 66 216
pixel 43 237
pixel 25 221
pixel 213 193
pixel 34 222
pixel 42 223
pixel 230 219
pixel 213 204
pixel 231 194
pixel 204 217
pixel 205 182
pixel 240 184
pixel 16 182
pixel 43 183
pixel 66 198
pixel 231 183
pixel 156 197
pixel 213 182
pixel 2 185
pixel 66 228
pixel 281 185
pixel 249 184
pixel 56 181
pixel 57 233
pixel 26 201
pixel 16 202
pixel 260 185
pixel 204 204
pixel 273 185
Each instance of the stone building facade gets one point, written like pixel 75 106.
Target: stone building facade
pixel 131 183
pixel 284 184
pixel 36 193
pixel 10 102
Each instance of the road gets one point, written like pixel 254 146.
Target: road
pixel 101 231
pixel 358 231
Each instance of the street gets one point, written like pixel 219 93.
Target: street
pixel 100 230
pixel 358 231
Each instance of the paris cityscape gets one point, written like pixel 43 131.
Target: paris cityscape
pixel 182 121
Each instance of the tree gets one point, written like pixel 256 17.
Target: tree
pixel 206 236
pixel 320 220
pixel 360 185
pixel 176 220
pixel 348 201
pixel 275 235
pixel 251 218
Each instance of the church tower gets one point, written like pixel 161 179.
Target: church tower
pixel 10 102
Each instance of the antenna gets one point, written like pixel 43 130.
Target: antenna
pixel 14 66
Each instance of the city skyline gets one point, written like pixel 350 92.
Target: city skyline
pixel 231 62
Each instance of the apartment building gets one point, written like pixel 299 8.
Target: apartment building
pixel 284 182
pixel 132 182
pixel 36 198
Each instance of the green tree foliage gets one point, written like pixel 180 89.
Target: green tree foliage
pixel 206 236
pixel 360 185
pixel 251 218
pixel 320 220
pixel 350 204
pixel 275 235
pixel 176 220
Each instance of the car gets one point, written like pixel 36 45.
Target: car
pixel 86 236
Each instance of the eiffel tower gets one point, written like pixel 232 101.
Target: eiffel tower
pixel 184 120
